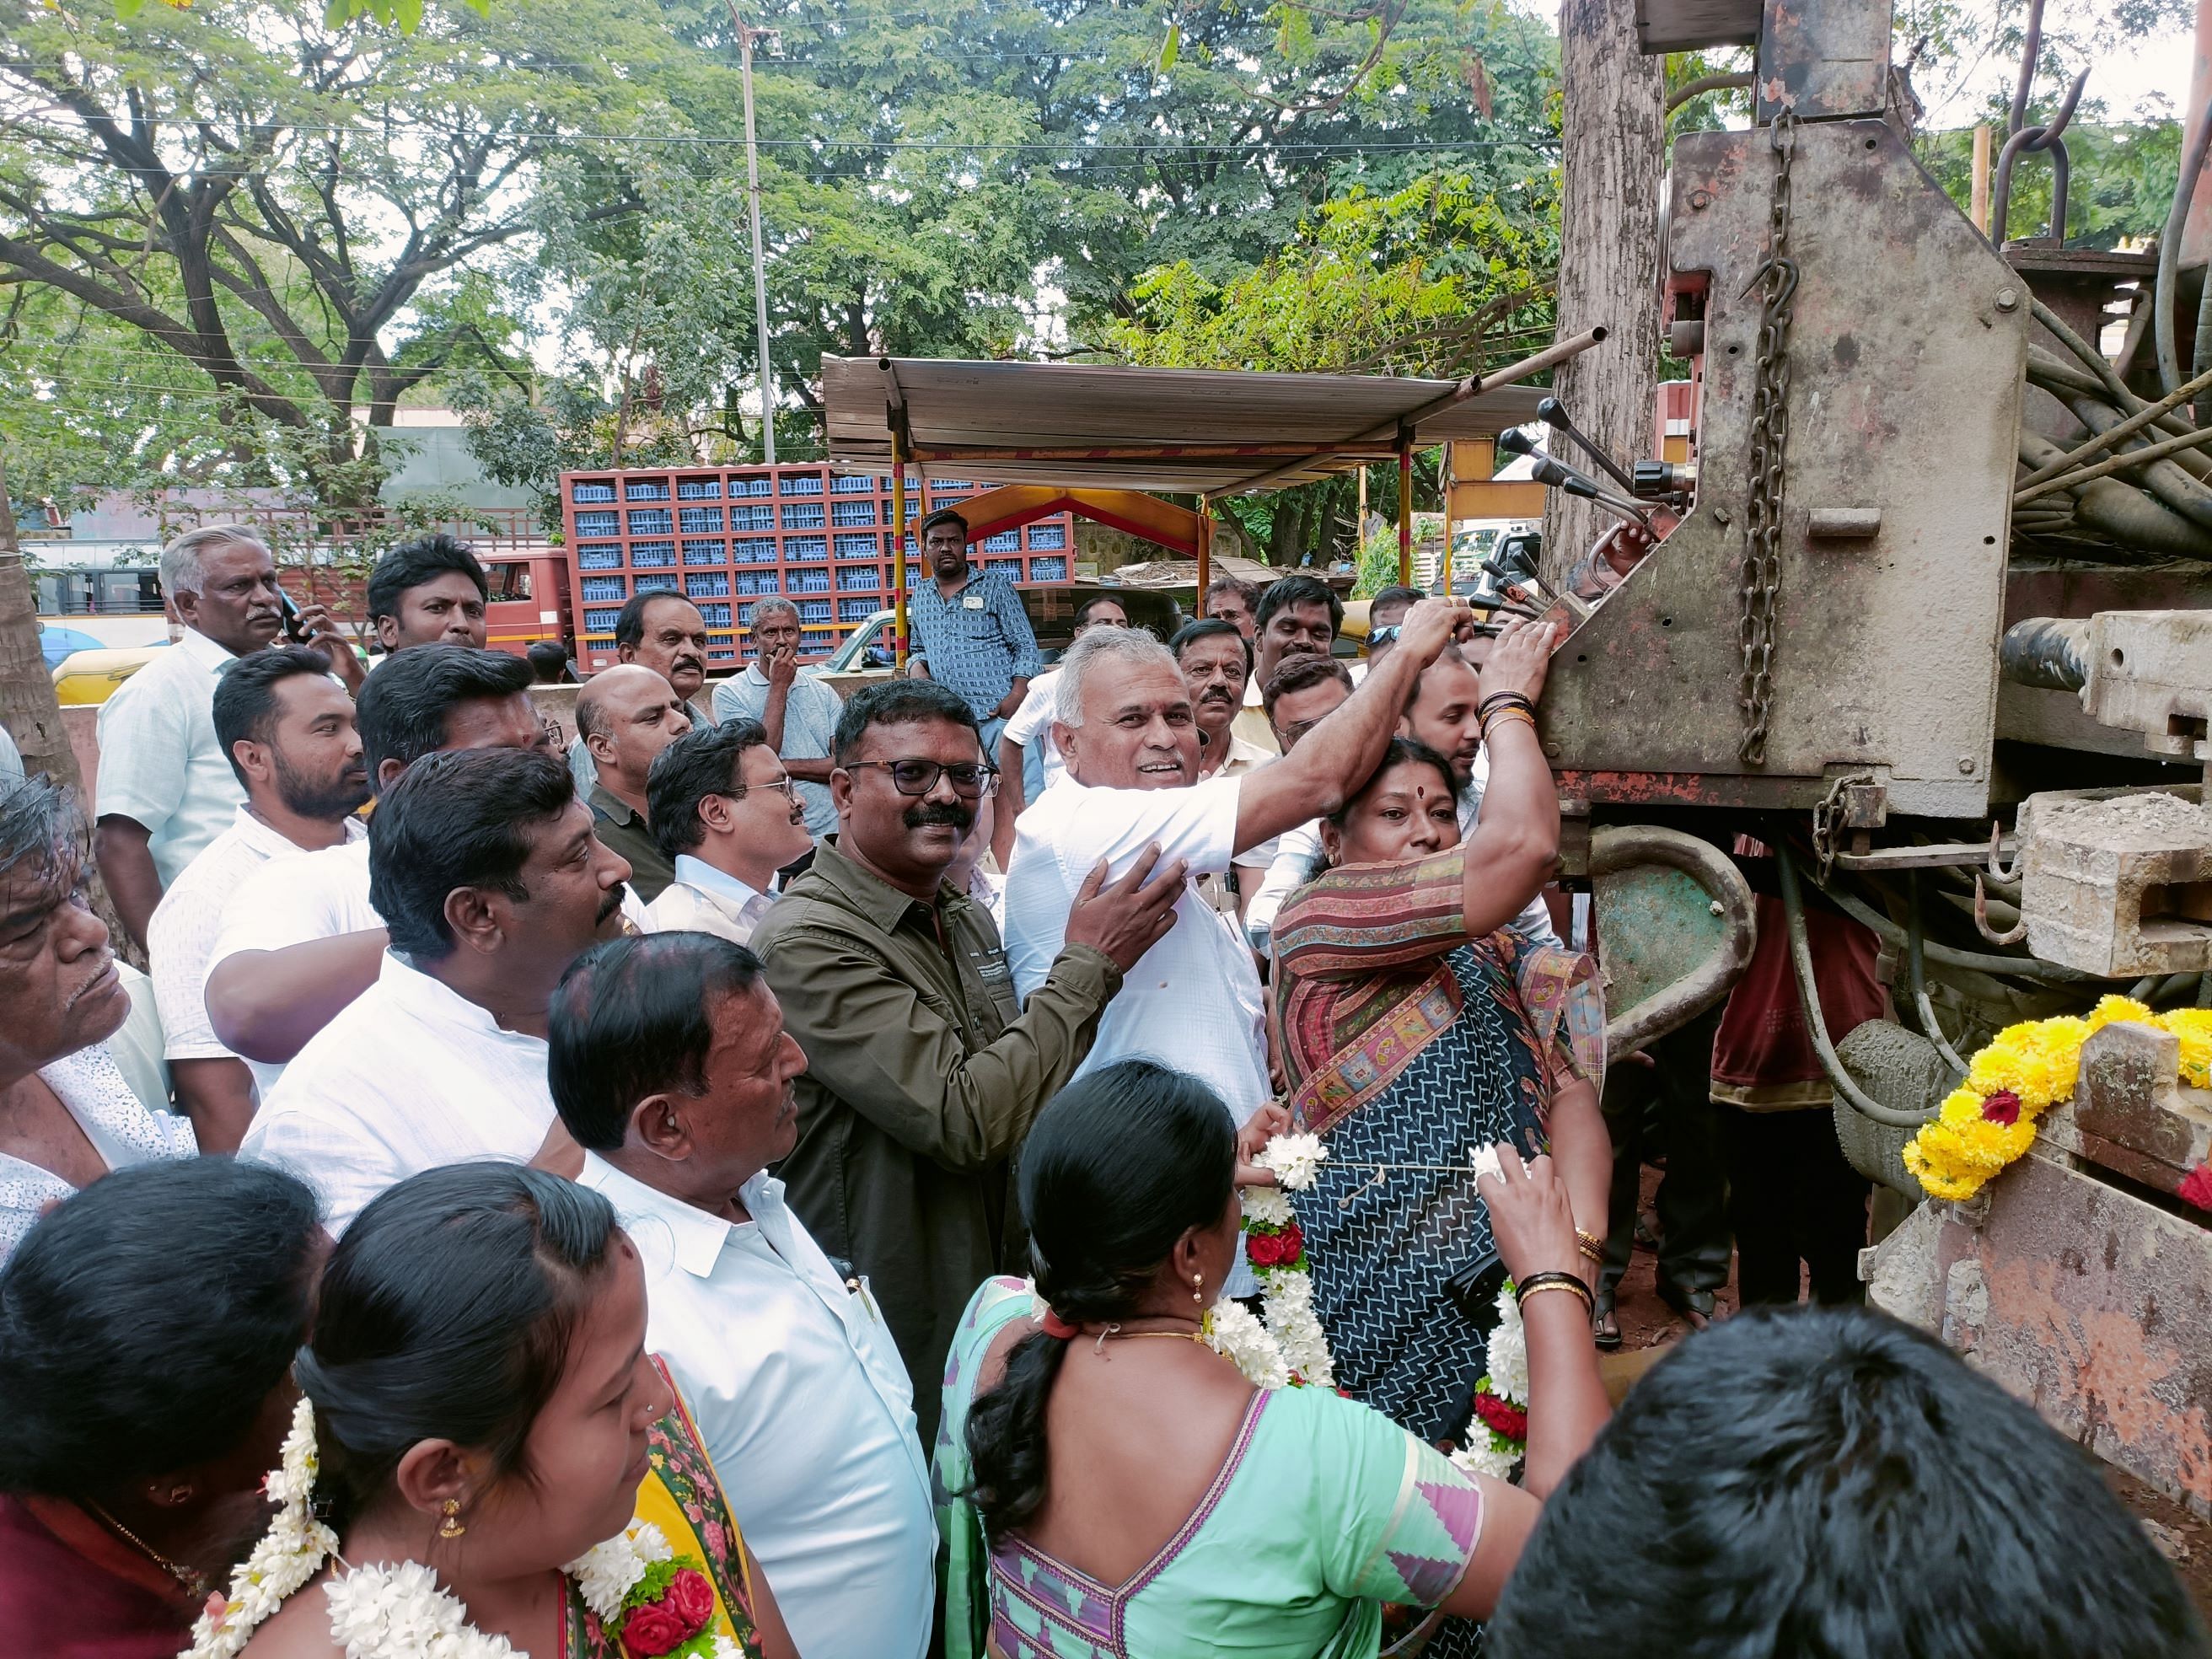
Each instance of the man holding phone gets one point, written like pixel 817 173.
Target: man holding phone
pixel 799 711
pixel 166 788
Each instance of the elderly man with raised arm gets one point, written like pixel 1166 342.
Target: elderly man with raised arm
pixel 1130 736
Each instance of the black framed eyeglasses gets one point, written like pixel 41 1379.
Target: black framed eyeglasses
pixel 918 777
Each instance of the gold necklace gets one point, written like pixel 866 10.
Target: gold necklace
pixel 1115 1333
pixel 194 1585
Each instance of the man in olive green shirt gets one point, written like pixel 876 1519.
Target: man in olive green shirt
pixel 923 1071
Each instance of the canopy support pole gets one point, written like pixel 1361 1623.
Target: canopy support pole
pixel 1404 506
pixel 898 553
pixel 1205 549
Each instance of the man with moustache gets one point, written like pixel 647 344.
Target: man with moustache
pixel 662 630
pixel 970 630
pixel 1028 763
pixel 1232 599
pixel 485 866
pixel 1297 616
pixel 923 1072
pixel 672 1068
pixel 1216 666
pixel 166 786
pixel 288 730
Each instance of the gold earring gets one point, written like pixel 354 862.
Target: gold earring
pixel 450 1526
pixel 1198 1287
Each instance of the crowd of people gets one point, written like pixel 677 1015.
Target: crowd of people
pixel 704 1187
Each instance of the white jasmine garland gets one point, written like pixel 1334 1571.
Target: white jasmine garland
pixel 1481 1454
pixel 1296 1159
pixel 1229 1329
pixel 1508 1353
pixel 290 1553
pixel 1484 1161
pixel 1265 1206
pixel 607 1572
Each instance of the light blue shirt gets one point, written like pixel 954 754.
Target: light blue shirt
pixel 978 642
pixel 159 765
pixel 810 722
pixel 697 872
pixel 11 758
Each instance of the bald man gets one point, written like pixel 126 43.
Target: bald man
pixel 625 717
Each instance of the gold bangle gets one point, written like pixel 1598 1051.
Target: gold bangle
pixel 1589 1255
pixel 1577 1288
pixel 1522 715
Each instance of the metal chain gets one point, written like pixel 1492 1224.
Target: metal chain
pixel 1760 571
pixel 1828 818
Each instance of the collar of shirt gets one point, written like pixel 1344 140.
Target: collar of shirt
pixel 699 1235
pixel 203 651
pixel 607 804
pixel 869 893
pixel 271 843
pixel 697 872
pixel 437 1004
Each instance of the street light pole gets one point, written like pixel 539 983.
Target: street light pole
pixel 745 33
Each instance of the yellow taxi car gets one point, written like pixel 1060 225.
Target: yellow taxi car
pixel 91 676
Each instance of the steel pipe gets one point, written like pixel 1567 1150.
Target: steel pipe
pixel 2044 652
pixel 1808 999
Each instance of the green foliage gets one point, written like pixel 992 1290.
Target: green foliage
pixel 1379 563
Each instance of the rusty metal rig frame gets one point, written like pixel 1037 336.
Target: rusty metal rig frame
pixel 1983 738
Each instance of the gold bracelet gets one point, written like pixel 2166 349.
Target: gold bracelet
pixel 1577 1288
pixel 1510 714
pixel 1589 1255
pixel 1590 1239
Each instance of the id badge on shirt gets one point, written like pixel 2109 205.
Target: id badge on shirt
pixel 973 602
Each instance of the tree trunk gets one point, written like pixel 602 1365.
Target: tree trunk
pixel 28 706
pixel 1611 152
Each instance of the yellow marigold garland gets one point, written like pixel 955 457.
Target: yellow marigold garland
pixel 1989 1119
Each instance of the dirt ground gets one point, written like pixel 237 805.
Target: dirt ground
pixel 1648 1327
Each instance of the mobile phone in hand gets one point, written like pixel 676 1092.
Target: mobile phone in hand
pixel 290 612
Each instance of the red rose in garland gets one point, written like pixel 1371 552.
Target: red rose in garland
pixel 2002 1108
pixel 653 1629
pixel 691 1598
pixel 1500 1418
pixel 1278 1250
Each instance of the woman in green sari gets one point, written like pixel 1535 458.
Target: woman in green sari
pixel 1117 1488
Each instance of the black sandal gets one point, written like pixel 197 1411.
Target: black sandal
pixel 1605 1327
pixel 1699 1308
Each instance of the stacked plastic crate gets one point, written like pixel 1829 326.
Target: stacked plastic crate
pixel 728 537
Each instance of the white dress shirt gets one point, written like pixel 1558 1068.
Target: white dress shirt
pixel 113 1119
pixel 705 900
pixel 1032 723
pixel 291 900
pixel 411 1075
pixel 159 765
pixel 805 1408
pixel 1192 1001
pixel 180 939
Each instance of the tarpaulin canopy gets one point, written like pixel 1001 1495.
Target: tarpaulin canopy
pixel 1199 431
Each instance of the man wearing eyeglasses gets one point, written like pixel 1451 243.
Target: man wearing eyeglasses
pixel 727 817
pixel 923 1069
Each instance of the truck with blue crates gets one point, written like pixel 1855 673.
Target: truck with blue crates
pixel 725 537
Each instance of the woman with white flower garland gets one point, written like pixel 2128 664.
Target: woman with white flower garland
pixel 1117 1489
pixel 486 1461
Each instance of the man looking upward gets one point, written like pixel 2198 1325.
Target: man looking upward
pixel 972 632
pixel 166 786
pixel 798 711
pixel 1131 739
pixel 923 1072
pixel 1297 615
pixel 726 814
pixel 485 866
pixel 626 716
pixel 289 730
pixel 430 591
pixel 670 1066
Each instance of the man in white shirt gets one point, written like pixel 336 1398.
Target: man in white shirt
pixel 1126 726
pixel 300 939
pixel 165 787
pixel 1028 735
pixel 1297 615
pixel 798 711
pixel 485 866
pixel 670 1066
pixel 726 813
pixel 288 730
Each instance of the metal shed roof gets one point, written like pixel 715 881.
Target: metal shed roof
pixel 1195 430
